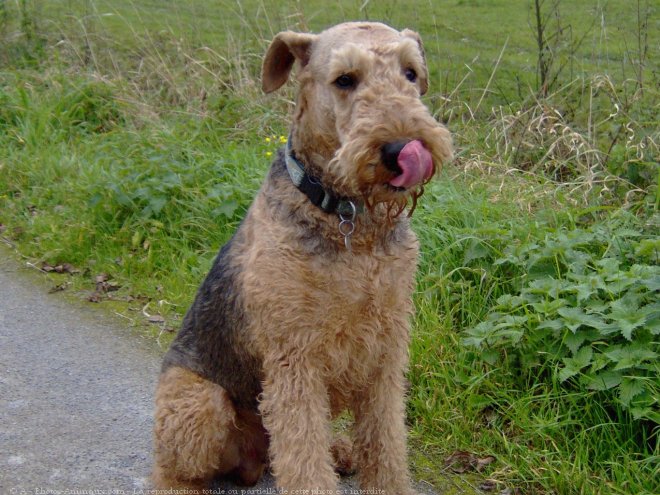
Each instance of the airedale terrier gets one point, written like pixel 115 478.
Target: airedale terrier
pixel 305 312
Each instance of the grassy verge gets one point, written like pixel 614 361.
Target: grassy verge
pixel 133 137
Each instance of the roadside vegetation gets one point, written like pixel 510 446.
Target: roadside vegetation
pixel 133 136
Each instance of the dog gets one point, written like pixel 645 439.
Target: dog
pixel 306 310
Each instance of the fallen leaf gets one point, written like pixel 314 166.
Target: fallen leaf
pixel 156 319
pixel 107 286
pixel 59 288
pixel 95 297
pixel 459 461
pixel 61 268
pixel 462 461
pixel 483 462
pixel 104 286
pixel 69 268
pixel 488 486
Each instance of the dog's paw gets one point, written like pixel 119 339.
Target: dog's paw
pixel 342 455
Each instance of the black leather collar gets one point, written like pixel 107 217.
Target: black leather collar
pixel 312 188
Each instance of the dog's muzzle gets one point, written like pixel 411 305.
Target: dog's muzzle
pixel 409 160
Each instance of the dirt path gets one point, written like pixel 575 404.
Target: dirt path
pixel 76 391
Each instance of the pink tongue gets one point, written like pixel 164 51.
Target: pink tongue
pixel 416 165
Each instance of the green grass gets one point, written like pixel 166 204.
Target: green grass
pixel 133 136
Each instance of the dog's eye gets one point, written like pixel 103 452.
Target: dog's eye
pixel 411 75
pixel 345 81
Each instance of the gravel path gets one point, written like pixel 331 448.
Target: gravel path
pixel 75 393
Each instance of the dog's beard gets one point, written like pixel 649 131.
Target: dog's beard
pixel 392 204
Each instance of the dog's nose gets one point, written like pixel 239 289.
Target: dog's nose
pixel 390 155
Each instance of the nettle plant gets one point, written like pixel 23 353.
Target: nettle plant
pixel 587 315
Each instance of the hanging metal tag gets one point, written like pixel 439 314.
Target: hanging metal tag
pixel 347 225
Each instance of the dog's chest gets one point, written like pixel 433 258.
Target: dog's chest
pixel 365 312
pixel 364 288
pixel 344 312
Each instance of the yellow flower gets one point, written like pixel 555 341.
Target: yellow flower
pixel 283 139
pixel 268 140
pixel 269 154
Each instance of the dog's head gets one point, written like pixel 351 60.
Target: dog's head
pixel 359 122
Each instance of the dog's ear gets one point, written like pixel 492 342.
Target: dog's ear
pixel 284 50
pixel 423 78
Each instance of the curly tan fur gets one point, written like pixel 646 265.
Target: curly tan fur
pixel 290 328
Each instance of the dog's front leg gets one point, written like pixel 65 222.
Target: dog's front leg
pixel 296 412
pixel 380 432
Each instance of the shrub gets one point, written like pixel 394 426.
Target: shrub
pixel 586 315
